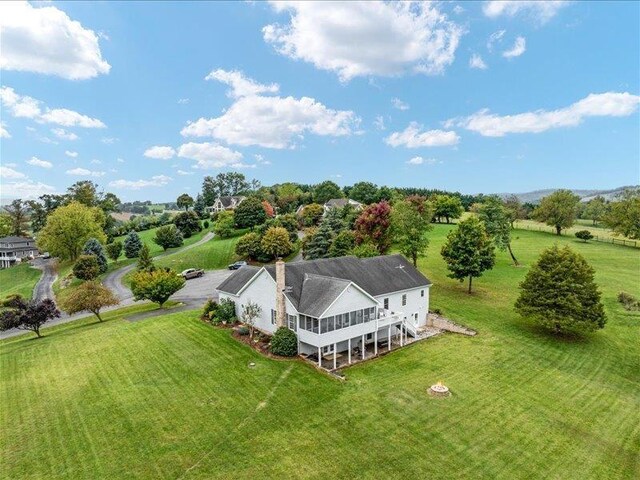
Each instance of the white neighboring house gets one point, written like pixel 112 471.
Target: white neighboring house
pixel 335 304
pixel 14 249
pixel 225 203
pixel 341 203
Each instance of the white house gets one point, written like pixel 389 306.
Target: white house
pixel 14 249
pixel 341 203
pixel 337 306
pixel 225 203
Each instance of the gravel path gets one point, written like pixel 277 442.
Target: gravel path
pixel 44 287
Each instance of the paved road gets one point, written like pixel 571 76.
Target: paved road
pixel 44 287
pixel 193 295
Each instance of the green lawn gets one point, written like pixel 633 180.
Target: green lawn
pixel 20 280
pixel 171 397
pixel 214 254
pixel 599 231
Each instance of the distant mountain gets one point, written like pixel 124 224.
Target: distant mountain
pixel 585 195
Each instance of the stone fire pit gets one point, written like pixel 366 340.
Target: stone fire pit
pixel 439 390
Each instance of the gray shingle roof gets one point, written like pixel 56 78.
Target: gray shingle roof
pixel 314 284
pixel 238 279
pixel 318 293
pixel 15 239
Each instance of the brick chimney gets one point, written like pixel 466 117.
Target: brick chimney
pixel 281 309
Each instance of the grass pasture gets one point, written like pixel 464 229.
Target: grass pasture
pixel 171 397
pixel 20 280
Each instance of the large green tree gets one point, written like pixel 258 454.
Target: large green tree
pixel 224 184
pixel 312 214
pixel 188 223
pixel 497 221
pixel 560 294
pixel 365 192
pixel 595 209
pixel 448 207
pixel 624 214
pixel 18 216
pixel 69 227
pixel 185 201
pixel 168 236
pixel 250 213
pixel 157 285
pixel 468 251
pixel 276 243
pixel 558 210
pixel 410 221
pixel 325 191
pixel 5 225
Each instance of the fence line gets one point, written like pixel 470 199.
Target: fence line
pixel 614 241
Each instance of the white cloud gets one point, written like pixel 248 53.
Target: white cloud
pixel 63 134
pixel 183 172
pixel 45 40
pixel 3 131
pixel 26 190
pixel 609 104
pixel 412 137
pixel 379 122
pixel 399 104
pixel 27 107
pixel 10 173
pixel 539 10
pixel 95 161
pixel 159 152
pixel 273 122
pixel 261 160
pixel 495 37
pixel 36 162
pixel 241 86
pixel 366 38
pixel 421 161
pixel 120 160
pixel 108 140
pixel 477 62
pixel 156 181
pixel 518 48
pixel 458 9
pixel 183 101
pixel 71 154
pixel 83 172
pixel 211 155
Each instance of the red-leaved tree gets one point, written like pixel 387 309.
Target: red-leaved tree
pixel 268 209
pixel 374 226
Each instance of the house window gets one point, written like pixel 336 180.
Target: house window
pixel 273 317
pixel 291 319
pixel 386 304
pixel 404 299
pixel 328 349
pixel 422 293
pixel 369 336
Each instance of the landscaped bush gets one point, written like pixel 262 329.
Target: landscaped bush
pixel 86 267
pixel 226 311
pixel 584 235
pixel 244 331
pixel 205 224
pixel 284 342
pixel 628 301
pixel 209 309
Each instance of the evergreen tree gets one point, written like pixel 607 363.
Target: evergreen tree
pixel 94 247
pixel 342 244
pixel 132 244
pixel 560 294
pixel 319 245
pixel 199 206
pixel 333 219
pixel 468 251
pixel 145 262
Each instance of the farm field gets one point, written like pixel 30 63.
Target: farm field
pixel 18 280
pixel 172 397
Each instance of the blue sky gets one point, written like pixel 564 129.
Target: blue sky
pixel 475 97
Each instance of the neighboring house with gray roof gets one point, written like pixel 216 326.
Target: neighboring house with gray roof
pixel 341 203
pixel 335 305
pixel 14 249
pixel 225 203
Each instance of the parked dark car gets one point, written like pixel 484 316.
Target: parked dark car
pixel 237 265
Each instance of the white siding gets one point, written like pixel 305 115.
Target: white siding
pixel 351 299
pixel 262 291
pixel 415 304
